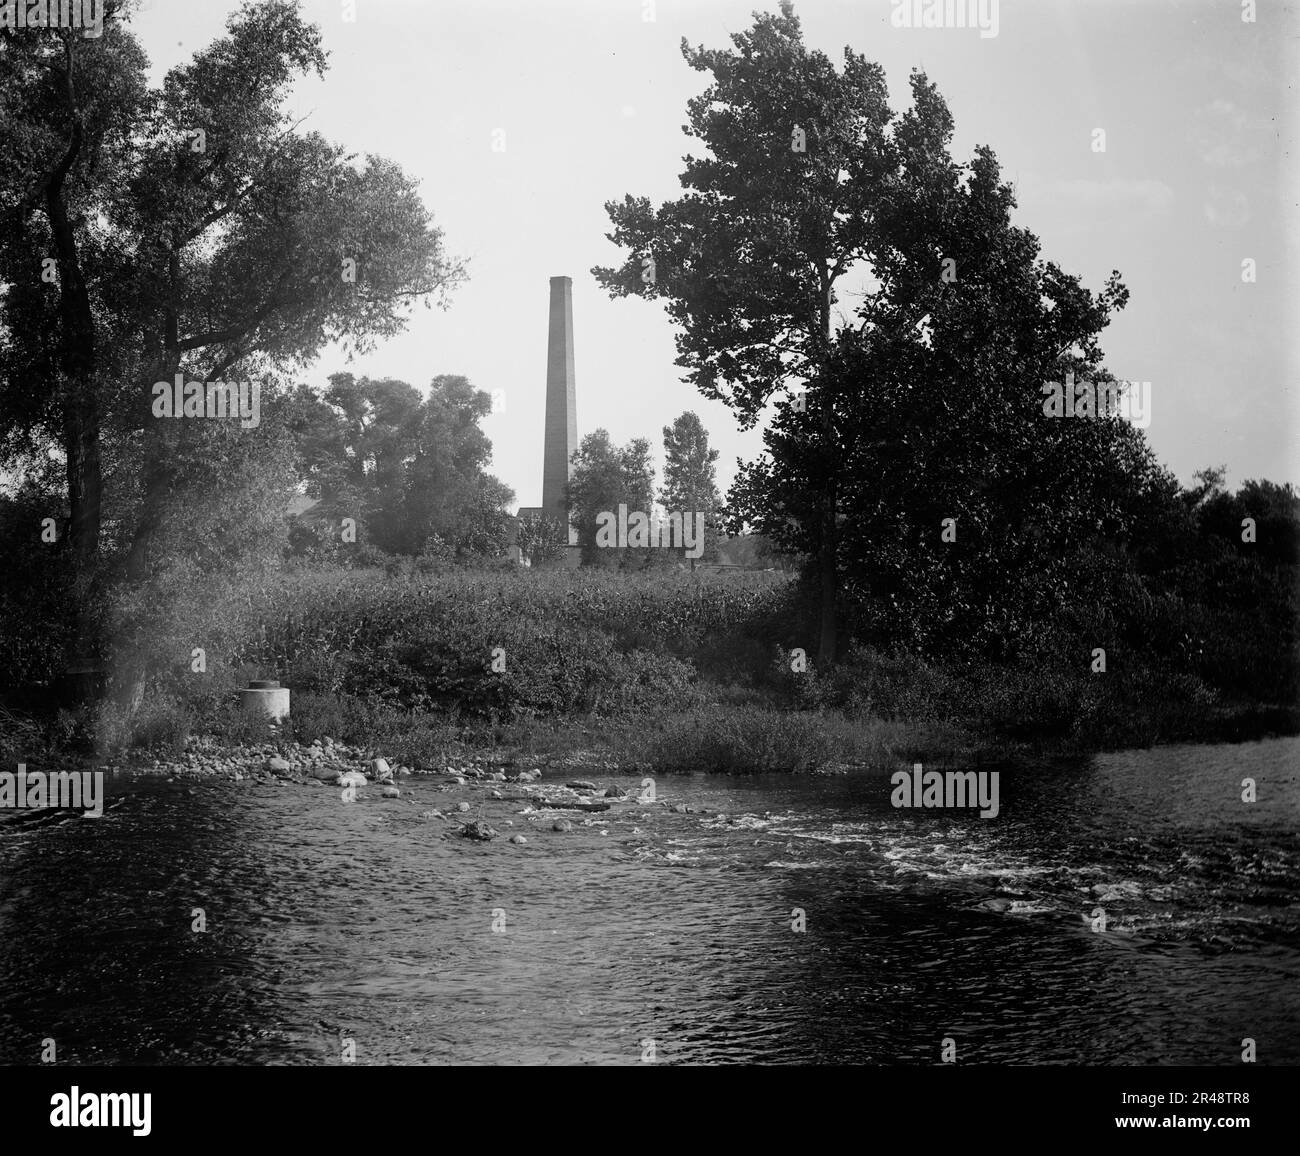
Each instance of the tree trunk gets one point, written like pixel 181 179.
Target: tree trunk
pixel 827 643
pixel 81 421
pixel 85 491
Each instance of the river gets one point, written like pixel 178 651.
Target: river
pixel 334 930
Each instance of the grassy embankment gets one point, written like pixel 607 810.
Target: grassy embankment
pixel 656 671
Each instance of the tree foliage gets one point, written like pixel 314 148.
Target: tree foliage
pixel 409 470
pixel 603 477
pixel 922 400
pixel 690 485
pixel 191 229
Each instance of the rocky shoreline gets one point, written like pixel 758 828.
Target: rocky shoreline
pixel 362 775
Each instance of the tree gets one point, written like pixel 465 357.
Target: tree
pixel 70 104
pixel 603 477
pixel 747 262
pixel 409 470
pixel 962 499
pixel 540 537
pixel 1274 509
pixel 449 497
pixel 690 485
pixel 922 404
pixel 193 231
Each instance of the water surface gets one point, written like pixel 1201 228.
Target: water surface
pixel 329 922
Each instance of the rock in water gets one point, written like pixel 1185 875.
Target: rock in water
pixel 680 808
pixel 518 839
pixel 391 793
pixel 462 807
pixel 279 767
pixel 476 830
pixel 352 779
pixel 581 785
pixel 563 804
pixel 615 793
pixel 326 774
pixel 561 825
pixel 379 769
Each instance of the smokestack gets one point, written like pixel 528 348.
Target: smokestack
pixel 561 433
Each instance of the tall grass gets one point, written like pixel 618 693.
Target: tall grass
pixel 662 669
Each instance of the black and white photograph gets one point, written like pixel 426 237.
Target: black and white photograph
pixel 702 535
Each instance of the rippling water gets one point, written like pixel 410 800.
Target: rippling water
pixel 327 921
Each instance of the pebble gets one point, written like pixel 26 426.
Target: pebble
pixel 391 793
pixel 518 839
pixel 462 807
pixel 561 825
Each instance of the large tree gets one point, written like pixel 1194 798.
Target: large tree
pixel 778 212
pixel 450 502
pixel 409 470
pixel 921 402
pixel 192 230
pixel 962 501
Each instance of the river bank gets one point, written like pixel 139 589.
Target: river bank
pixel 664 672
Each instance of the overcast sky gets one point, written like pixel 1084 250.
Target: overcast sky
pixel 1199 173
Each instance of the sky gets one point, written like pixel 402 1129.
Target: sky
pixel 1199 174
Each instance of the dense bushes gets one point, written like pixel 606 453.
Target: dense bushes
pixel 35 594
pixel 478 644
pixel 413 657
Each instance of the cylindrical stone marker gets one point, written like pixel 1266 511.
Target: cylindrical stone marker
pixel 266 697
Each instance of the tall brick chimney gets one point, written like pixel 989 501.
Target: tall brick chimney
pixel 561 433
